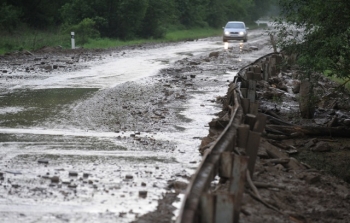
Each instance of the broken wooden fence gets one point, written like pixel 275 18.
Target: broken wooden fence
pixel 224 158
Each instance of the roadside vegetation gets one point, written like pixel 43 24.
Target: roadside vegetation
pixel 318 32
pixel 26 39
pixel 29 25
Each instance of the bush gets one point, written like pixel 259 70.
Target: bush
pixel 84 31
pixel 9 17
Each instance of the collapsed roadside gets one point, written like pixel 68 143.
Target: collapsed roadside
pixel 297 156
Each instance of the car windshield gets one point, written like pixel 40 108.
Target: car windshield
pixel 235 25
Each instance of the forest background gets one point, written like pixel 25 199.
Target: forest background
pixel 103 23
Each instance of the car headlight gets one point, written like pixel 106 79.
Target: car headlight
pixel 241 33
pixel 227 32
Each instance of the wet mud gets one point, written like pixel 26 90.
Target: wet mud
pixel 84 138
pixel 94 148
pixel 313 185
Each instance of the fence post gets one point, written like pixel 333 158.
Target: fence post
pixel 72 40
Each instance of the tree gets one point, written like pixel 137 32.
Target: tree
pixel 318 31
pixel 216 15
pixel 38 13
pixel 130 15
pixel 9 17
pixel 159 14
pixel 114 18
pixel 192 13
pixel 85 30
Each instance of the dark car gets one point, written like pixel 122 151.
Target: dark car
pixel 235 30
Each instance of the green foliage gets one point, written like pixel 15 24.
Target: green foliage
pixel 191 34
pixel 158 15
pixel 192 13
pixel 9 17
pixel 130 15
pixel 29 39
pixel 127 19
pixel 319 32
pixel 37 13
pixel 84 31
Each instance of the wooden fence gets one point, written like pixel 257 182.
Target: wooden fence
pixel 225 158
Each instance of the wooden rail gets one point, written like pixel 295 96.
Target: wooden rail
pixel 224 159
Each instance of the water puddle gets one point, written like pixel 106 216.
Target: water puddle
pixel 30 107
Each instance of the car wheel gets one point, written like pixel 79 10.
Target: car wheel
pixel 245 40
pixel 224 40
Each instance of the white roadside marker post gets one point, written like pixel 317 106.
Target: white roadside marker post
pixel 72 40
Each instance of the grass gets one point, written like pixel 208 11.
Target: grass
pixel 172 36
pixel 341 81
pixel 25 39
pixel 192 34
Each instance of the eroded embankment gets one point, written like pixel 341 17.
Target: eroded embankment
pixel 288 190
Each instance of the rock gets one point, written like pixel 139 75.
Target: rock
pixel 313 178
pixel 311 143
pixel 342 191
pixel 179 186
pixel 143 184
pixel 253 48
pixel 86 175
pixel 43 161
pixel 333 122
pixel 279 167
pixel 194 63
pixel 310 178
pixel 295 164
pixel 262 152
pixel 129 177
pixel 73 174
pixel 321 147
pixel 47 68
pixel 282 86
pixel 347 122
pixel 55 179
pixel 192 75
pixel 214 54
pixel 143 193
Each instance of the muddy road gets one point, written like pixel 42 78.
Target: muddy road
pixel 101 136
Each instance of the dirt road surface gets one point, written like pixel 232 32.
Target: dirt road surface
pixel 101 136
pixel 110 135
